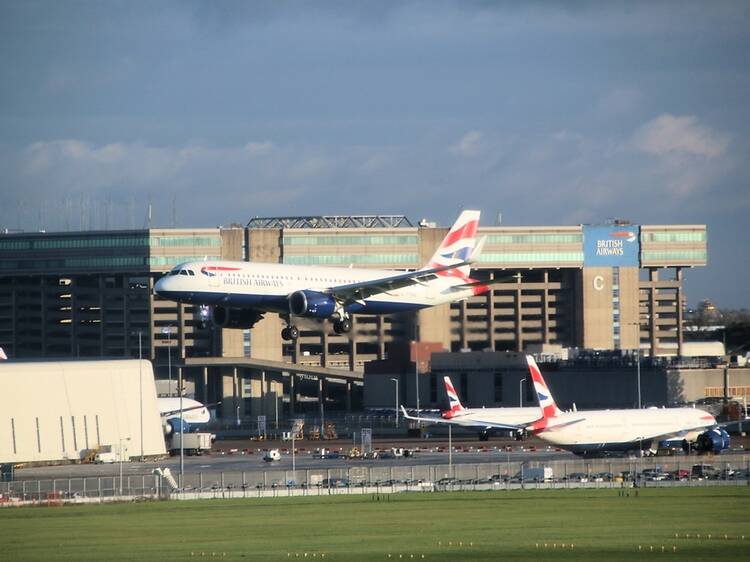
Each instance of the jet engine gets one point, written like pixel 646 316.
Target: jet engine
pixel 311 304
pixel 712 441
pixel 235 317
pixel 172 425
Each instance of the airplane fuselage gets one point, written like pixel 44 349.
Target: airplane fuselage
pixel 266 287
pixel 613 430
pixel 489 417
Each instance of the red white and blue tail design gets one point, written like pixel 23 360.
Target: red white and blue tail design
pixel 458 247
pixel 454 404
pixel 546 402
pixel 458 244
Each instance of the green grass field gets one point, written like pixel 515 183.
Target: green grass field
pixel 441 526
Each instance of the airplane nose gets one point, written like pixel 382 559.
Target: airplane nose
pixel 161 285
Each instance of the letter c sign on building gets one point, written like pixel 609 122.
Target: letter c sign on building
pixel 599 283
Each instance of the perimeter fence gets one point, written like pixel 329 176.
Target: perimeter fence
pixel 354 479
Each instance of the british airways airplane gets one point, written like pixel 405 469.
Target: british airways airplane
pixel 594 432
pixel 240 293
pixel 484 419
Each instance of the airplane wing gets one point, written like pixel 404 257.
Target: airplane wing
pixel 354 292
pixel 457 421
pixel 673 435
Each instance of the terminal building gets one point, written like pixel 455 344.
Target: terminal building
pixel 616 286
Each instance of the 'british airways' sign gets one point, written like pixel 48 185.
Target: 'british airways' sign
pixel 611 246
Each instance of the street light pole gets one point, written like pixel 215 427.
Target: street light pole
pixel 638 370
pixel 520 391
pixel 294 458
pixel 396 381
pixel 167 330
pixel 121 440
pixel 637 358
pixel 450 449
pixel 140 384
pixel 416 367
pixel 182 430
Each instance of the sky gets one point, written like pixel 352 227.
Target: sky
pixel 540 113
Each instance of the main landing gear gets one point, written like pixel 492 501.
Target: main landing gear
pixel 343 326
pixel 290 333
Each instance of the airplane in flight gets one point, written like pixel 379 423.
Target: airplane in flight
pixel 594 432
pixel 240 293
pixel 486 419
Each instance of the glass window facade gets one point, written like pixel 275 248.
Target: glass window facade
pixel 674 255
pixel 561 238
pixel 182 241
pixel 159 261
pixel 407 260
pixel 690 236
pixel 351 240
pixel 530 257
pixel 73 243
pixel 74 262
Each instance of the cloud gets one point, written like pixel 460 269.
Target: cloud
pixel 619 101
pixel 670 134
pixel 468 145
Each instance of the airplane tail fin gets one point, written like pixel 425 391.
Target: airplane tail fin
pixel 458 245
pixel 454 404
pixel 546 402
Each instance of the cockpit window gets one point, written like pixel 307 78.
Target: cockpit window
pixel 191 272
pixel 183 272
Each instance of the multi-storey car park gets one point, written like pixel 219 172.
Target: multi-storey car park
pixel 89 294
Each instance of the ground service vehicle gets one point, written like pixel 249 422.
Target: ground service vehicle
pixel 192 443
pixel 272 455
pixel 538 474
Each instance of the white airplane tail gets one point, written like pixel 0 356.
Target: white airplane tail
pixel 454 404
pixel 458 245
pixel 546 402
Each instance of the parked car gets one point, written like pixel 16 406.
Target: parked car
pixel 653 474
pixel 335 483
pixel 678 475
pixel 703 472
pixel 577 477
pixel 447 481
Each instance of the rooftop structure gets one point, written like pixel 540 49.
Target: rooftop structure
pixel 331 221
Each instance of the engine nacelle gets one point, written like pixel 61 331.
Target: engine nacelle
pixel 235 317
pixel 172 425
pixel 311 304
pixel 712 441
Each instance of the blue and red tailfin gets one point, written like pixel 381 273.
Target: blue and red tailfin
pixel 458 245
pixel 454 404
pixel 546 402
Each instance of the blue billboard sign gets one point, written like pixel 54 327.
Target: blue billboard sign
pixel 611 246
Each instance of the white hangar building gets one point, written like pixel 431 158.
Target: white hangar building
pixel 59 410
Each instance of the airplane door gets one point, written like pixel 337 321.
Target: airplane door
pixel 213 281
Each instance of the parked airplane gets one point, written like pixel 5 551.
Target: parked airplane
pixel 594 432
pixel 193 414
pixel 599 431
pixel 240 293
pixel 486 419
